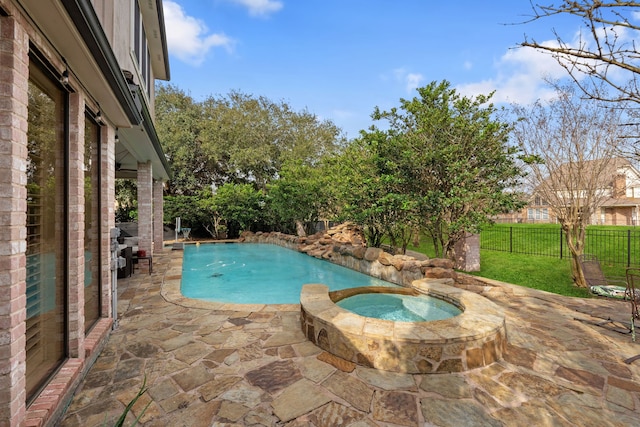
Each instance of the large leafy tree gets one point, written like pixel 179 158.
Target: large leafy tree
pixel 180 124
pixel 299 195
pixel 451 156
pixel 237 138
pixel 240 205
pixel 372 186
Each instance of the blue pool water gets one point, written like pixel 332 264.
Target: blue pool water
pixel 252 273
pixel 403 308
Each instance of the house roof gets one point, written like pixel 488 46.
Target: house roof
pixel 619 203
pixel 153 16
pixel 605 170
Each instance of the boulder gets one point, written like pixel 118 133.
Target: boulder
pixel 385 258
pixel 372 254
pixel 359 251
pixel 439 273
pixel 439 262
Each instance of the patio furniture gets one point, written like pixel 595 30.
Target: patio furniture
pixel 127 270
pixel 138 257
pixel 633 294
pixel 614 287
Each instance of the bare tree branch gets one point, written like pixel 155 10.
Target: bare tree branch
pixel 608 51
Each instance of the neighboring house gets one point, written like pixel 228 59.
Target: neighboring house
pixel 76 111
pixel 620 204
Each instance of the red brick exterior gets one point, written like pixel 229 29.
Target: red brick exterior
pixel 145 207
pixel 158 209
pixel 14 72
pixel 16 33
pixel 21 35
pixel 76 226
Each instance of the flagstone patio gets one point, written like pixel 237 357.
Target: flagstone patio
pixel 211 364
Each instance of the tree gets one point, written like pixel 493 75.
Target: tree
pixel 605 52
pixel 254 136
pixel 181 207
pixel 570 146
pixel 300 194
pixel 236 138
pixel 240 205
pixel 604 55
pixel 373 190
pixel 126 200
pixel 180 126
pixel 451 156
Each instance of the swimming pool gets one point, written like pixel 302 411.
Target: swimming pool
pixel 253 273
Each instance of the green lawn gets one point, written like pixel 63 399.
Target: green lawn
pixel 537 272
pixel 548 273
pixel 544 273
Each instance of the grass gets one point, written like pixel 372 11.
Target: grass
pixel 547 273
pixel 537 272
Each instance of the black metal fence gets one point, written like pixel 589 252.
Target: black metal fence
pixel 610 246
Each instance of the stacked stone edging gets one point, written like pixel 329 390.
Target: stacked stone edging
pixel 471 340
pixel 343 245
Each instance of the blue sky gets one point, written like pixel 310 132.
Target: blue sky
pixel 341 58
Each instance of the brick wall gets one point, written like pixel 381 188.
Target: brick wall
pixel 16 34
pixel 76 217
pixel 158 208
pixel 145 207
pixel 107 213
pixel 14 71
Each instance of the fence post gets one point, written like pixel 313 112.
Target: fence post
pixel 561 243
pixel 510 239
pixel 628 248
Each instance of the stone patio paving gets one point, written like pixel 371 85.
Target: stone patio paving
pixel 211 364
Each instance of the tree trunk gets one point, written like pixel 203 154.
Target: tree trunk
pixel 300 229
pixel 574 236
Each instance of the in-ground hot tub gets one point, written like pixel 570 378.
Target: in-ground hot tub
pixel 474 338
pixel 398 304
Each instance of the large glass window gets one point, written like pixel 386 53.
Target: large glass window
pixel 46 231
pixel 91 223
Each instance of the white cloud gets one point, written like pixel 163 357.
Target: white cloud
pixel 187 36
pixel 520 78
pixel 411 81
pixel 521 72
pixel 343 114
pixel 260 7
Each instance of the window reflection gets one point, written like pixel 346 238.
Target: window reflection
pixel 91 224
pixel 46 227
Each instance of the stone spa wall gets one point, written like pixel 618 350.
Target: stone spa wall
pixel 473 339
